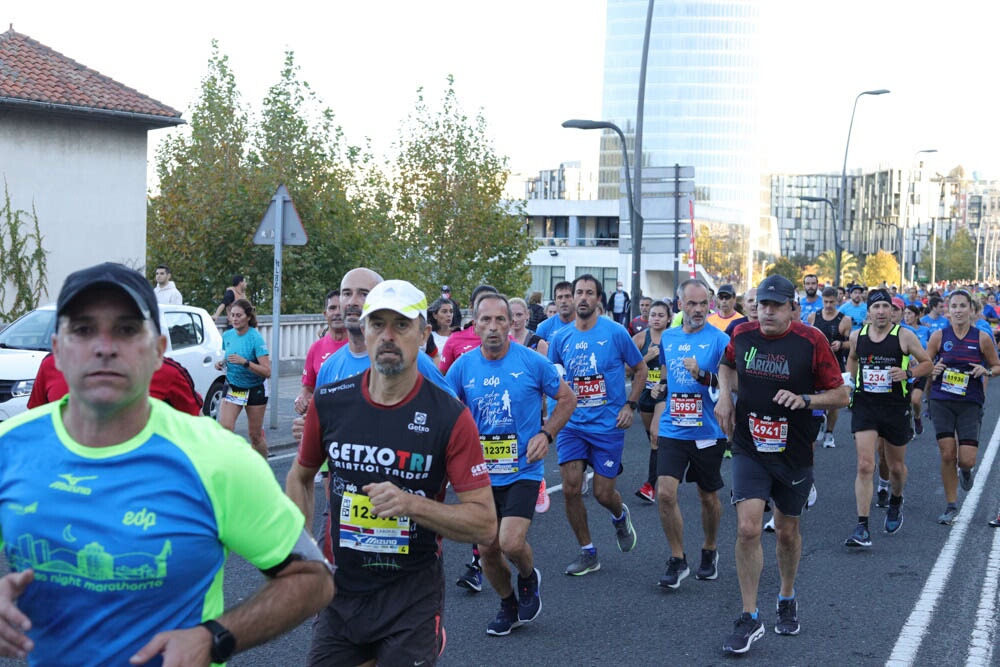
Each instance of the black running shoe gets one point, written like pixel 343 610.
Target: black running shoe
pixel 709 565
pixel 788 618
pixel 746 631
pixel 859 538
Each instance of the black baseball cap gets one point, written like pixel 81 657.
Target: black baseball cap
pixel 445 288
pixel 856 286
pixel 110 274
pixel 778 289
pixel 726 289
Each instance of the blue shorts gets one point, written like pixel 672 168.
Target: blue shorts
pixel 603 451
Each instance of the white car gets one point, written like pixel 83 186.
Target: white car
pixel 193 341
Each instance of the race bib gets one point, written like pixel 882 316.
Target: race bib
pixel 360 529
pixel 955 382
pixel 590 390
pixel 500 453
pixel 237 397
pixel 876 380
pixel 769 435
pixel 686 409
pixel 653 377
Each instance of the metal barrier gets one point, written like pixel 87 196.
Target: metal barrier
pixel 298 332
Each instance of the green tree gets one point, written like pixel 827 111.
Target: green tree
pixel 448 185
pixel 881 267
pixel 784 267
pixel 826 267
pixel 23 262
pixel 956 258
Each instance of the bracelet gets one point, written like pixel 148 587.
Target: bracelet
pixel 547 434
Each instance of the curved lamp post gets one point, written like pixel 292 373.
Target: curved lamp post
pixel 635 217
pixel 843 172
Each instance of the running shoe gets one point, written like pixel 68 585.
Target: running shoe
pixel 677 571
pixel 828 441
pixel 746 631
pixel 505 621
pixel 728 452
pixel 585 489
pixel 948 516
pixel 788 618
pixel 624 530
pixel 769 526
pixel 918 425
pixel 472 579
pixel 585 563
pixel 529 597
pixel 996 522
pixel 859 538
pixel 893 518
pixel 543 502
pixel 966 478
pixel 647 493
pixel 812 497
pixel 882 498
pixel 822 425
pixel 709 565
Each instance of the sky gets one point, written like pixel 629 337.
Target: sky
pixel 530 64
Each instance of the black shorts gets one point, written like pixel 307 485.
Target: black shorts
pixel 399 624
pixel 890 420
pixel 255 395
pixel 957 419
pixel 788 487
pixel 646 401
pixel 682 460
pixel 920 384
pixel 516 499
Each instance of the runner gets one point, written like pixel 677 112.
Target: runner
pixel 782 370
pixel 594 353
pixel 641 321
pixel 691 443
pixel 936 317
pixel 855 308
pixel 334 339
pixel 465 339
pixel 879 364
pixel 810 303
pixel 727 313
pixel 963 358
pixel 565 312
pixel 648 342
pixel 837 329
pixel 393 441
pixel 911 316
pixel 502 384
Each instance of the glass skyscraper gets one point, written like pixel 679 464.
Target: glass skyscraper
pixel 701 103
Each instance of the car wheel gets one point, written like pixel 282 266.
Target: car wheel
pixel 214 398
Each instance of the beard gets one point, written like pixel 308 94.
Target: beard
pixel 389 368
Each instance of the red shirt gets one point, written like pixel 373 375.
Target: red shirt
pixel 171 384
pixel 458 344
pixel 317 354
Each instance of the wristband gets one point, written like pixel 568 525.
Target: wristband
pixel 807 399
pixel 547 434
pixel 246 364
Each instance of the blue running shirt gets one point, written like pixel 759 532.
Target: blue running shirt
pixel 343 364
pixel 857 313
pixel 130 540
pixel 808 308
pixel 550 327
pixel 595 363
pixel 690 409
pixel 250 346
pixel 505 398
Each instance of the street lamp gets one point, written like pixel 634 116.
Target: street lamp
pixel 636 216
pixel 836 232
pixel 905 222
pixel 843 171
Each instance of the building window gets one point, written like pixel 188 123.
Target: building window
pixel 544 279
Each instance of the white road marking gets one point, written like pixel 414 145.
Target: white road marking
pixel 915 629
pixel 984 633
pixel 549 490
pixel 279 457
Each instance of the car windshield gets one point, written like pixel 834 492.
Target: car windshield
pixel 31 332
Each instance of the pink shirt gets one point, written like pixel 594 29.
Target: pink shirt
pixel 318 352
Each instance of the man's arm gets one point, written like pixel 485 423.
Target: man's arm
pixel 910 344
pixel 300 486
pixel 298 591
pixel 14 643
pixel 538 446
pixel 724 412
pixel 473 519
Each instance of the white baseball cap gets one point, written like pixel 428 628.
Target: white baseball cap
pixel 398 296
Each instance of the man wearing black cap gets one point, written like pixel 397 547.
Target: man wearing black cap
pixel 724 316
pixel 456 312
pixel 855 308
pixel 879 364
pixel 783 370
pixel 135 505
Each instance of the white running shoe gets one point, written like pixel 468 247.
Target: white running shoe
pixel 812 497
pixel 585 489
pixel 769 526
pixel 828 442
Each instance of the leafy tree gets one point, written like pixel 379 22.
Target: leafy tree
pixel 448 182
pixel 23 262
pixel 784 267
pixel 826 267
pixel 881 267
pixel 956 259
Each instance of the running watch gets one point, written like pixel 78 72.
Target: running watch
pixel 223 641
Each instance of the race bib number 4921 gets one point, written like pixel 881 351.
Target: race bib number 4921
pixel 361 529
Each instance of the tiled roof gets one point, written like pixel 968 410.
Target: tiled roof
pixel 31 72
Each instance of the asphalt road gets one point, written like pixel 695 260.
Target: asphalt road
pixel 925 596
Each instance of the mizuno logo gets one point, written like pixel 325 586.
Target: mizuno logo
pixel 517 375
pixel 602 342
pixel 73 481
pixel 703 345
pixel 70 485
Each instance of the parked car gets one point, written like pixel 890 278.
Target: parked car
pixel 193 341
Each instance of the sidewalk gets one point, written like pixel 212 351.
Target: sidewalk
pixel 278 439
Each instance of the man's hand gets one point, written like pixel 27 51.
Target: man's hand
pixel 725 414
pixel 625 417
pixel 179 648
pixel 13 624
pixel 658 390
pixel 691 364
pixel 790 400
pixel 387 499
pixel 298 427
pixel 538 447
pixel 897 374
